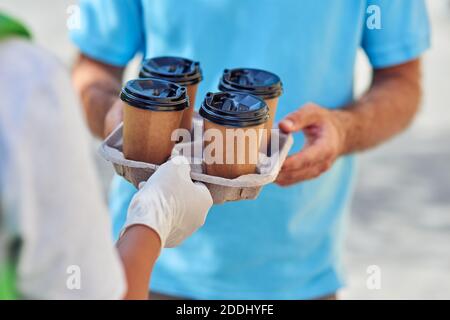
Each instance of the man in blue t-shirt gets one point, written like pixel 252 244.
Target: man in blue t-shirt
pixel 287 243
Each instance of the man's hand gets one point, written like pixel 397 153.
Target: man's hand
pixel 385 110
pixel 113 118
pixel 324 143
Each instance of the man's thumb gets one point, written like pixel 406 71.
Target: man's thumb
pixel 298 120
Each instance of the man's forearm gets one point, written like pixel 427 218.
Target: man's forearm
pixel 385 110
pixel 98 86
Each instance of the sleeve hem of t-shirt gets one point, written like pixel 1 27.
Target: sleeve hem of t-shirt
pixel 103 53
pixel 398 54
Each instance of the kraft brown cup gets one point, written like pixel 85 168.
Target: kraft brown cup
pixel 153 110
pixel 264 84
pixel 182 71
pixel 147 134
pixel 244 118
pixel 234 170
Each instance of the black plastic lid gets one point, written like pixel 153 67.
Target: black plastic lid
pixel 154 94
pixel 234 109
pixel 260 83
pixel 179 70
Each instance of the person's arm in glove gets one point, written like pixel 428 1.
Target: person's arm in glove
pixel 165 211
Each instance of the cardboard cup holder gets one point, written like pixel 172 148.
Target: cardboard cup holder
pixel 222 190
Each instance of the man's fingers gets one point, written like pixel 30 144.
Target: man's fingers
pixel 320 151
pixel 307 164
pixel 287 178
pixel 310 156
pixel 307 115
pixel 304 159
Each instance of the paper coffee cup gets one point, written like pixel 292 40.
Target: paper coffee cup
pixel 233 124
pixel 184 72
pixel 153 111
pixel 260 83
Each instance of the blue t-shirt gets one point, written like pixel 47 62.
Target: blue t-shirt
pixel 287 243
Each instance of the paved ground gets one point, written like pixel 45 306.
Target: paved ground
pixel 401 211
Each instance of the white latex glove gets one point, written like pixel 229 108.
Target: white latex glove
pixel 170 203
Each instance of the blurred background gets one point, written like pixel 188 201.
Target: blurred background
pixel 400 217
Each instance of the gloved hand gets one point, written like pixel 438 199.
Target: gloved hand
pixel 170 203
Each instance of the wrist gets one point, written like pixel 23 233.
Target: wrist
pixel 145 231
pixel 344 122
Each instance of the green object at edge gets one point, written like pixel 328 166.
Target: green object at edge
pixel 7 283
pixel 11 27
